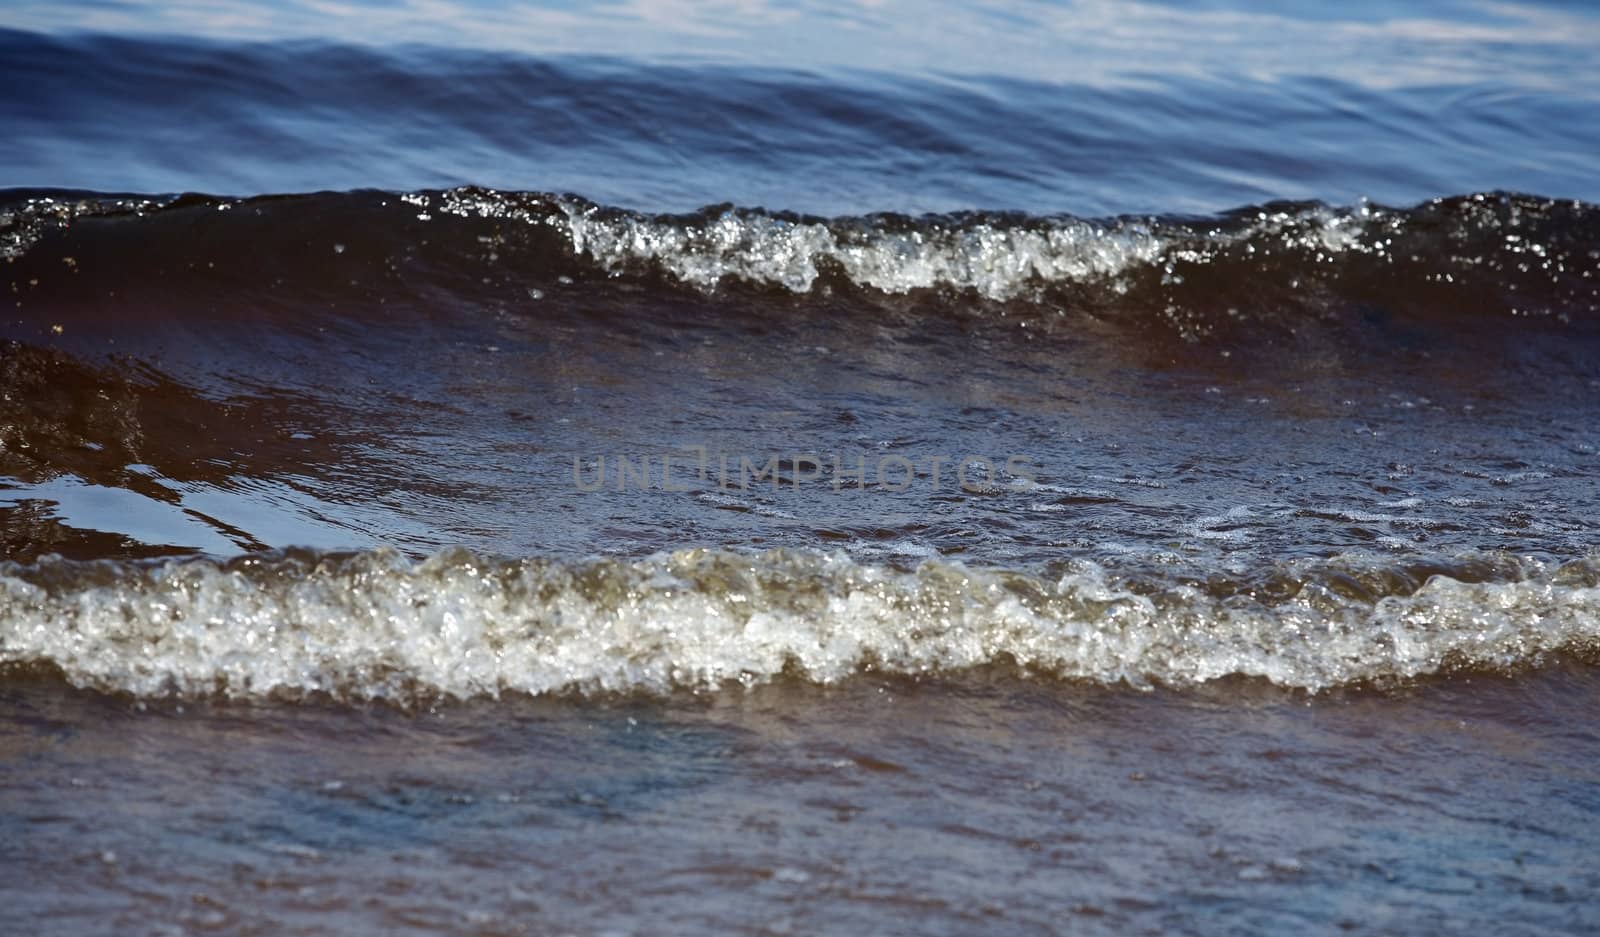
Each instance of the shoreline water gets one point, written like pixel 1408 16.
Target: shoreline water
pixel 975 802
pixel 1286 619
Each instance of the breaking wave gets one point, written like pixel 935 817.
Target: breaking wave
pixel 1510 256
pixel 374 625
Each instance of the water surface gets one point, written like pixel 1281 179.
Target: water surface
pixel 980 467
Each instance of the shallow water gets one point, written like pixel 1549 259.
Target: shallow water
pixel 985 468
pixel 978 802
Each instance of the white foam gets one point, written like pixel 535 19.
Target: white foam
pixel 998 261
pixel 375 625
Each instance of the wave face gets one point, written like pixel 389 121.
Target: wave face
pixel 374 625
pixel 1505 255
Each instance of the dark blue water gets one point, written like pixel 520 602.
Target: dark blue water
pixel 943 467
pixel 1155 108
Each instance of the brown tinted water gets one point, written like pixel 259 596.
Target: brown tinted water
pixel 997 510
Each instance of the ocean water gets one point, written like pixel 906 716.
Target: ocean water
pixel 833 468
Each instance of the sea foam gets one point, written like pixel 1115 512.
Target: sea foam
pixel 377 625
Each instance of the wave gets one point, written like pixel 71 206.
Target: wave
pixel 125 112
pixel 1500 256
pixel 374 625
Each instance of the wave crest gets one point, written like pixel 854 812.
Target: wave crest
pixel 1504 256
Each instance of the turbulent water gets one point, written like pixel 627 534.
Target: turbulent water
pixel 1309 443
pixel 952 416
